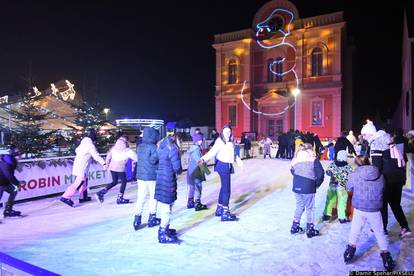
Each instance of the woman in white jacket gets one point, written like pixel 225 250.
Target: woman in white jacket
pixel 84 154
pixel 116 160
pixel 223 151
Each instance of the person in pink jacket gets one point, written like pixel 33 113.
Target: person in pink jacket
pixel 116 159
pixel 85 152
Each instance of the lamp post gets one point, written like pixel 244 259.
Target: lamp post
pixel 295 93
pixel 106 111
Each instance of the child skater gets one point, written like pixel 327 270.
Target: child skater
pixel 195 176
pixel 338 171
pixel 308 175
pixel 367 185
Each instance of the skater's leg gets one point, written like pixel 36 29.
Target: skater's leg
pixel 310 207
pixel 123 182
pixel 330 201
pixel 224 195
pixel 395 204
pixel 198 188
pixel 342 200
pixel 71 190
pixel 300 206
pixel 114 181
pixel 142 194
pixel 152 201
pixel 358 221
pixel 375 220
pixel 165 214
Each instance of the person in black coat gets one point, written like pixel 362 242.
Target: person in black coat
pixel 169 167
pixel 246 145
pixel 8 182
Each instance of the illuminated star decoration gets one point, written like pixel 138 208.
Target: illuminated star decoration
pixel 263 27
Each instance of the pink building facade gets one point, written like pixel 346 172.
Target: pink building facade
pixel 282 52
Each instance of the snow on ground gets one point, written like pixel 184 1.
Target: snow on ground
pixel 95 239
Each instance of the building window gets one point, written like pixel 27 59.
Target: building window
pixel 279 126
pixel 279 69
pixel 317 59
pixel 232 115
pixel 317 112
pixel 232 71
pixel 271 128
pixel 270 67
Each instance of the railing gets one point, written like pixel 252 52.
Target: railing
pixel 12 266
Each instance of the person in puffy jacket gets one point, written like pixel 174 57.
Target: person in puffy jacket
pixel 146 176
pixel 308 175
pixel 8 182
pixel 85 152
pixel 166 185
pixel 367 184
pixel 338 171
pixel 116 160
pixel 195 176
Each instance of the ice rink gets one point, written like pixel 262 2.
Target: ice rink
pixel 94 239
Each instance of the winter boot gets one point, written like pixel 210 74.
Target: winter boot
pixel 153 220
pixel 9 212
pixel 121 199
pixel 387 260
pixel 137 222
pixel 85 199
pixel 296 228
pixel 67 201
pixel 227 216
pixel 163 237
pixel 326 218
pixel 199 206
pixel 342 221
pixel 190 203
pixel 219 211
pixel 311 231
pixel 349 253
pixel 170 231
pixel 100 195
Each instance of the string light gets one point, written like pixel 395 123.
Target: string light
pixel 264 25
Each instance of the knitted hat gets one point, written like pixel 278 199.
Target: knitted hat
pixel 342 155
pixel 368 128
pixel 197 137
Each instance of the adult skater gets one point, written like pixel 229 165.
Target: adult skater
pixel 166 185
pixel 266 142
pixel 308 175
pixel 223 151
pixel 8 182
pixel 195 176
pixel 146 176
pixel 367 185
pixel 116 160
pixel 85 152
pixel 391 166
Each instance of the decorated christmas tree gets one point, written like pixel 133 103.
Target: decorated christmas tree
pixel 30 136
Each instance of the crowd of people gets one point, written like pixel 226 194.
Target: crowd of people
pixel 375 183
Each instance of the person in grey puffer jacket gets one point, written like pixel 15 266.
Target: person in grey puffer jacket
pixel 146 175
pixel 367 185
pixel 308 175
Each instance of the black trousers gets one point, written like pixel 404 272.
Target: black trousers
pixel 224 195
pixel 392 196
pixel 115 177
pixel 12 195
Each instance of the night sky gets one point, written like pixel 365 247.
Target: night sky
pixel 153 59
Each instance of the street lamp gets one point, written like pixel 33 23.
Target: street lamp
pixel 106 111
pixel 295 93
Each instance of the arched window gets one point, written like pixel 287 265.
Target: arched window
pixel 279 69
pixel 232 71
pixel 317 59
pixel 270 67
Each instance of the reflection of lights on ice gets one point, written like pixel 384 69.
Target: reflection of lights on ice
pixel 264 25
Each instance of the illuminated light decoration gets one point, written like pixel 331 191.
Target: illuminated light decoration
pixel 266 25
pixel 70 93
pixel 36 92
pixel 4 99
pixel 55 91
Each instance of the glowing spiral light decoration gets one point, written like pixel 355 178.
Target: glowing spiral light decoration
pixel 265 26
